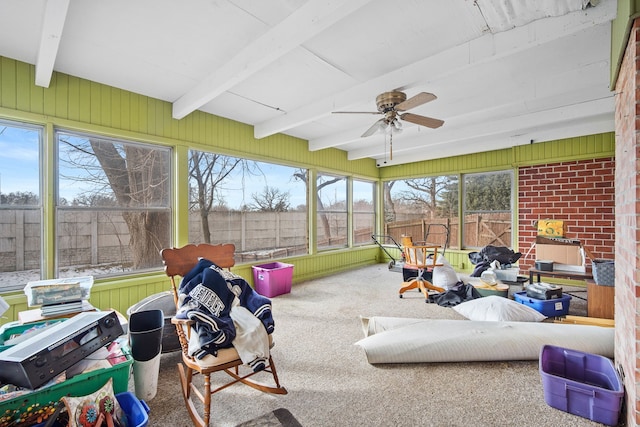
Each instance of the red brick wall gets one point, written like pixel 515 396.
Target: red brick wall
pixel 627 235
pixel 580 193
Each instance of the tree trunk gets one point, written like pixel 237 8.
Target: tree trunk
pixel 149 233
pixel 204 219
pixel 138 178
pixel 326 227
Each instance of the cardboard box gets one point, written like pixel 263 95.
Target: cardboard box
pixel 564 257
pixel 551 228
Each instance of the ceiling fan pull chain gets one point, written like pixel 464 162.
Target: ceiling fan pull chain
pixel 385 148
pixel 391 146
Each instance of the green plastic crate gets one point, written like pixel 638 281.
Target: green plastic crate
pixel 80 385
pixel 9 330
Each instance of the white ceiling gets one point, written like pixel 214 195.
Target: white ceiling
pixel 506 72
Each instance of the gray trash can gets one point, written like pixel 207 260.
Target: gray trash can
pixel 161 301
pixel 145 339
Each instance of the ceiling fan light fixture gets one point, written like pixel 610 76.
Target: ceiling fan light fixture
pixel 390 104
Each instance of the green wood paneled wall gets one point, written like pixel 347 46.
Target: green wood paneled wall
pixel 627 11
pixel 86 106
pixel 578 148
pixel 81 105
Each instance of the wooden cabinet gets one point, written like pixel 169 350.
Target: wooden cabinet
pixel 600 300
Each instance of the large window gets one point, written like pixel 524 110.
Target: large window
pixel 260 207
pixel 20 205
pixel 106 204
pixel 426 209
pixel 332 211
pixel 113 205
pixel 364 212
pixel 487 209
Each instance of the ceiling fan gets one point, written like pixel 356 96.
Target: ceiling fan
pixel 390 105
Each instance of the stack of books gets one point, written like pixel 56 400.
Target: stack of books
pixel 62 308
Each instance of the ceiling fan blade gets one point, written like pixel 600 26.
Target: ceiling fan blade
pixel 416 100
pixel 422 120
pixel 373 129
pixel 356 112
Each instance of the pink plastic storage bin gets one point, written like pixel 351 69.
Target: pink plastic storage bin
pixel 581 383
pixel 272 279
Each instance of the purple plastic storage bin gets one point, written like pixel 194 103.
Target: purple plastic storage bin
pixel 581 383
pixel 549 307
pixel 272 279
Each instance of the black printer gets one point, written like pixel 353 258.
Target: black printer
pixel 544 291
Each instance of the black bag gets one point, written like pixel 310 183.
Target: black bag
pixel 483 259
pixel 501 254
pixel 459 293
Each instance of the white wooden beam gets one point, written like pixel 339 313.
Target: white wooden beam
pixel 508 97
pixel 52 25
pixel 306 22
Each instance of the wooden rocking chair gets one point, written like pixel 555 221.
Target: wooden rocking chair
pixel 421 258
pixel 178 262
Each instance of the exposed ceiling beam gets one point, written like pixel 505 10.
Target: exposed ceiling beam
pixel 52 25
pixel 570 89
pixel 306 22
pixel 516 125
pixel 487 48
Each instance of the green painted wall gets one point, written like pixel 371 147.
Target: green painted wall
pixel 578 148
pixel 627 11
pixel 81 105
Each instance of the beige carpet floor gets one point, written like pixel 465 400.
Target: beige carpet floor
pixel 330 382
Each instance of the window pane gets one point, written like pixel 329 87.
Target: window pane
pixel 113 205
pixel 487 209
pixel 99 242
pixel 97 171
pixel 259 207
pixel 20 217
pixel 332 211
pixel 364 214
pixel 426 209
